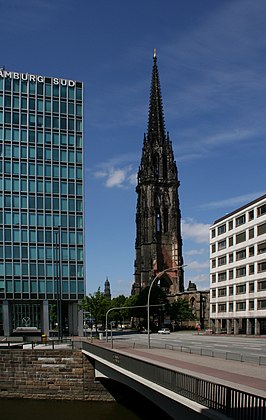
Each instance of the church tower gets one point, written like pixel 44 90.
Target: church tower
pixel 107 289
pixel 158 234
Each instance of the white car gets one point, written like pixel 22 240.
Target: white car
pixel 164 331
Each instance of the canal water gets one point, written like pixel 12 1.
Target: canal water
pixel 75 410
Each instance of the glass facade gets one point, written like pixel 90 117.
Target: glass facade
pixel 41 189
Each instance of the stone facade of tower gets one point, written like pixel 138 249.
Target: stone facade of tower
pixel 158 235
pixel 107 289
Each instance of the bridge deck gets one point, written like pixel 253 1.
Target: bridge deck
pixel 239 375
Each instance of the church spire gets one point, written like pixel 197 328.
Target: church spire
pixel 156 126
pixel 158 216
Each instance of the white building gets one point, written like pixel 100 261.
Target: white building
pixel 238 270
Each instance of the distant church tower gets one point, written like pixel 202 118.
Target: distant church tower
pixel 107 289
pixel 158 235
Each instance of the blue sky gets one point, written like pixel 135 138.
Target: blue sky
pixel 212 67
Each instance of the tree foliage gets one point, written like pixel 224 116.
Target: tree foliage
pixel 180 311
pixel 97 305
pixel 118 315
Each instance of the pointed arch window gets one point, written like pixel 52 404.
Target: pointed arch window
pixel 158 222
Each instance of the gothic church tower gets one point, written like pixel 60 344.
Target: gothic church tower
pixel 158 235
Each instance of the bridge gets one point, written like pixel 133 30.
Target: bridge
pixel 180 385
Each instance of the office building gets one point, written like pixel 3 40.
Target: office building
pixel 41 203
pixel 238 270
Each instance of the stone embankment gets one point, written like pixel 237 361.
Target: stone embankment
pixel 49 374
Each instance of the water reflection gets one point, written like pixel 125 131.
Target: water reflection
pixel 65 410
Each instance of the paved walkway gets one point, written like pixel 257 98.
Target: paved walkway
pixel 240 375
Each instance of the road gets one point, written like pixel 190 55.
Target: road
pixel 251 348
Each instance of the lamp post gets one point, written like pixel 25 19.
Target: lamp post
pixel 149 293
pixel 58 284
pixel 202 311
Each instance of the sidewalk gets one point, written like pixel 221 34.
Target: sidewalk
pixel 240 375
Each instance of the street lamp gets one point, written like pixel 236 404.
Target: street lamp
pixel 202 311
pixel 149 293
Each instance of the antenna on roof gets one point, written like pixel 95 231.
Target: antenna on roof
pixel 154 53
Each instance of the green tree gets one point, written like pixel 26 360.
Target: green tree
pixel 97 305
pixel 180 311
pixel 157 297
pixel 118 315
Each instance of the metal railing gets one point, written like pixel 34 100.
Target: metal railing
pixel 234 403
pixel 35 344
pixel 226 355
pixel 199 351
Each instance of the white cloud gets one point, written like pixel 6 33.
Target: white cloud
pixel 200 251
pixel 201 279
pixel 198 232
pixel 117 176
pixel 232 202
pixel 196 265
pixel 118 171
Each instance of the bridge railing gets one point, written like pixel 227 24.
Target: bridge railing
pixel 234 403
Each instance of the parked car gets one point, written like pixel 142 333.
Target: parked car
pixel 164 331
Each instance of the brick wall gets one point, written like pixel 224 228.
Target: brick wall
pixel 49 374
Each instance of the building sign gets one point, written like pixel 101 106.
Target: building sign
pixel 34 78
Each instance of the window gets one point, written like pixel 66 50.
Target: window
pixel 213 308
pixel 262 247
pixel 240 288
pixel 261 266
pixel 231 274
pixel 261 285
pixel 213 263
pixel 221 229
pixel 261 210
pixel 222 260
pixel 240 220
pixel 158 221
pixel 222 276
pixel 251 287
pixel 241 237
pixel 222 307
pixel 240 255
pixel 251 269
pixel 213 278
pixel 222 292
pixel 221 245
pixel 251 305
pixel 231 307
pixel 251 215
pixel 231 290
pixel 251 233
pixel 251 251
pixel 241 306
pixel 241 271
pixel 262 304
pixel 261 229
pixel 230 225
pixel 231 257
pixel 213 293
pixel 231 241
pixel 213 248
